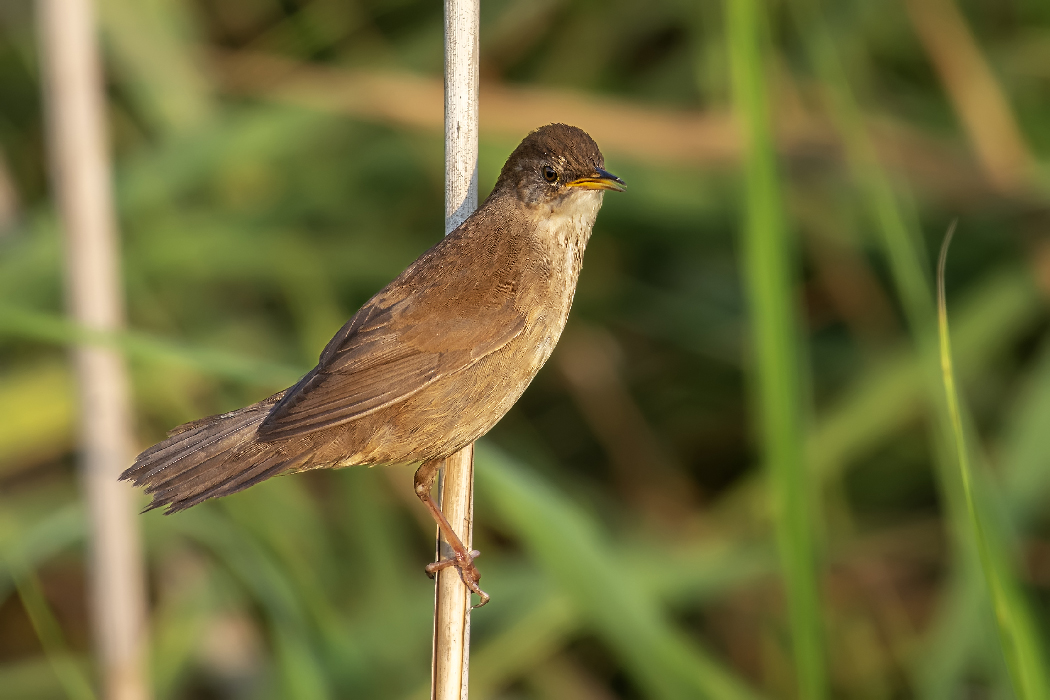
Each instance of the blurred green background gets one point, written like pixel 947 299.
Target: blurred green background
pixel 278 161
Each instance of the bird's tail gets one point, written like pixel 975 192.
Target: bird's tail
pixel 210 457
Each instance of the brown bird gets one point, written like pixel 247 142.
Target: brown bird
pixel 431 362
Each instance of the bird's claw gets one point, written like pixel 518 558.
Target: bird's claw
pixel 464 562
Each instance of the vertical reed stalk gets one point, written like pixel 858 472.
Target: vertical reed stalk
pixel 451 660
pixel 74 96
pixel 771 292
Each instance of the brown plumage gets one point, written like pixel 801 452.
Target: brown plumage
pixel 434 359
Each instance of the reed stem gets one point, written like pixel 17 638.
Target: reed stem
pixel 451 660
pixel 81 177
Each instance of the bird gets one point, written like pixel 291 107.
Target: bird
pixel 431 362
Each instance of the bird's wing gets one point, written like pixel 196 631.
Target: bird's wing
pixel 408 336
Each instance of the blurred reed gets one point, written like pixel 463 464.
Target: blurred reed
pixel 769 264
pixel 81 180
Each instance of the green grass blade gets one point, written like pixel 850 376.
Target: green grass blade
pixel 33 678
pixel 1017 633
pixel 902 247
pixel 302 677
pixel 22 323
pixel 74 681
pixel 768 265
pixel 152 48
pixel 543 620
pixel 28 542
pixel 564 541
pixel 958 632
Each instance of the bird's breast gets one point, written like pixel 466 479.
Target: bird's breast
pixel 560 239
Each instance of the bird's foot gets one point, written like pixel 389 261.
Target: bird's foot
pixel 462 558
pixel 464 562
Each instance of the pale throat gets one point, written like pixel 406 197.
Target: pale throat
pixel 566 229
pixel 569 221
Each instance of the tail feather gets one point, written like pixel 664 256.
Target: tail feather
pixel 172 457
pixel 208 458
pixel 271 466
pixel 202 474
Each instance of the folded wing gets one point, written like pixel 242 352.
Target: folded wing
pixel 391 349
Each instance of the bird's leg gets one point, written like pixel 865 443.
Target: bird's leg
pixel 462 558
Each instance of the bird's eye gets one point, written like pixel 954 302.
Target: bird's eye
pixel 549 174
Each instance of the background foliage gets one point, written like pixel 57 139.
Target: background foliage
pixel 277 161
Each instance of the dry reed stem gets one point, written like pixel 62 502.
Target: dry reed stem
pixel 451 660
pixel 74 96
pixel 645 133
pixel 974 92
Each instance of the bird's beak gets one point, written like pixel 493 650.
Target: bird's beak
pixel 601 180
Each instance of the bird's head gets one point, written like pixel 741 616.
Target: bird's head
pixel 555 165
